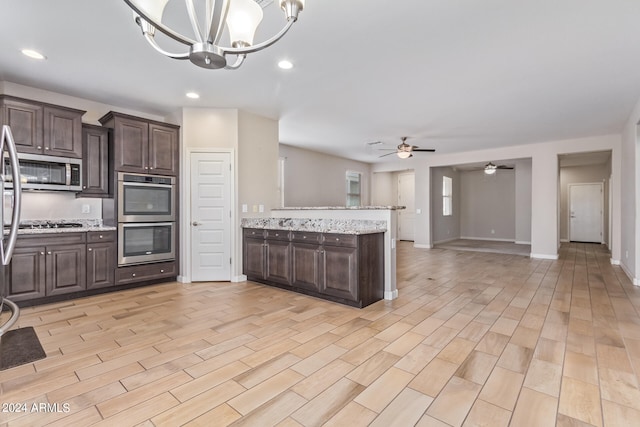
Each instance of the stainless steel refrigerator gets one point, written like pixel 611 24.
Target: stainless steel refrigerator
pixel 8 242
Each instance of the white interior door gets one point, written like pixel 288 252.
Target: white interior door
pixel 585 212
pixel 210 216
pixel 406 197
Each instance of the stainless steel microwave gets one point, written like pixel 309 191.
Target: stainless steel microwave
pixel 38 172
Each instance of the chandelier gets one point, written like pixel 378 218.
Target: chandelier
pixel 240 17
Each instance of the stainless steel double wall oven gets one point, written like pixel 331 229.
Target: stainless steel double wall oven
pixel 146 218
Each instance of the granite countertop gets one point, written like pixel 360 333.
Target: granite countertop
pixel 341 226
pixel 47 226
pixel 337 208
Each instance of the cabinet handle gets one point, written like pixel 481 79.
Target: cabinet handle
pixel 133 275
pixel 161 271
pixel 39 147
pixel 146 167
pixel 90 249
pixel 41 253
pixel 84 187
pixel 48 252
pixel 277 234
pixel 100 236
pixel 46 148
pixel 304 237
pixel 151 168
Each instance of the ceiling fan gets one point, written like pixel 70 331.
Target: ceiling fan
pixel 490 168
pixel 404 150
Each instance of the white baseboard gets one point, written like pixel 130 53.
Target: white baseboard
pixel 521 242
pixel 564 240
pixel 543 256
pixel 422 246
pixel 614 261
pixel 629 275
pixel 240 278
pixel 489 239
pixel 446 240
pixel 391 295
pixel 183 279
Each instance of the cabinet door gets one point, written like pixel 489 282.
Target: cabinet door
pixel 131 145
pixel 253 258
pixel 305 259
pixel 101 258
pixel 339 272
pixel 163 149
pixel 278 260
pixel 62 132
pixel 25 120
pixel 66 269
pixel 95 161
pixel 25 275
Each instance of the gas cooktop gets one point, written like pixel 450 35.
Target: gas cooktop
pixel 47 225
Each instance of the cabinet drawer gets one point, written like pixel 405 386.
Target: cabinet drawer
pixel 140 273
pixel 305 236
pixel 277 234
pixel 254 232
pixel 333 239
pixel 101 236
pixel 31 240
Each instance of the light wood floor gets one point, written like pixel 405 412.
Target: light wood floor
pixel 474 339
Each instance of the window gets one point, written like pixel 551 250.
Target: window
pixel 447 194
pixel 353 188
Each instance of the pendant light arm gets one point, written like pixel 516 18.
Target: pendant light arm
pixel 155 45
pixel 259 46
pixel 193 18
pixel 237 64
pixel 216 15
pixel 160 27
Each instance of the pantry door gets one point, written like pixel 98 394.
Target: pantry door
pixel 585 212
pixel 210 223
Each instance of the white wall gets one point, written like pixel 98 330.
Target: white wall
pixel 253 142
pixel 384 189
pixel 444 228
pixel 523 201
pixel 317 179
pixel 544 189
pixel 630 157
pixel 487 205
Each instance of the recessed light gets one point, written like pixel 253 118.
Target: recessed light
pixel 285 65
pixel 33 54
pixel 192 95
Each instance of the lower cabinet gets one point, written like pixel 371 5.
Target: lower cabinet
pixel 339 267
pixel 145 272
pixel 45 265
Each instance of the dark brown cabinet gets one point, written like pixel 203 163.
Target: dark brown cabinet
pixel 145 272
pixel 143 146
pixel 47 265
pixel 40 128
pixel 340 267
pixel 101 259
pixel 66 268
pixel 95 160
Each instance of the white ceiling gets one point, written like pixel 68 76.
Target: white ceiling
pixel 454 75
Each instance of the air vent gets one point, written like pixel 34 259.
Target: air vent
pixel 264 3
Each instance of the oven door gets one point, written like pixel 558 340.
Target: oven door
pixel 146 242
pixel 143 202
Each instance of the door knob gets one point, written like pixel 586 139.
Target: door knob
pixel 195 223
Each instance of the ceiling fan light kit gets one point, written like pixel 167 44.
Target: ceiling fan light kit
pixel 240 17
pixel 490 168
pixel 404 150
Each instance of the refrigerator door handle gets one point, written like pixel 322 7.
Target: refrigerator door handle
pixel 7 138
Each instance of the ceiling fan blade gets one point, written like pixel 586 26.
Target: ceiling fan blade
pixel 503 167
pixel 429 150
pixel 388 154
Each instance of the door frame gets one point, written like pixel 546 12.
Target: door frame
pixel 602 224
pixel 399 176
pixel 185 223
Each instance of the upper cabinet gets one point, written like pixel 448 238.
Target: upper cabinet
pixel 143 146
pixel 40 128
pixel 95 160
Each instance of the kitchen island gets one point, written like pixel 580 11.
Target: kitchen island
pixel 337 260
pixel 387 214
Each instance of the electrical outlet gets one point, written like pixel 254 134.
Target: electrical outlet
pixel 261 208
pixel 86 209
pixel 255 208
pixel 245 208
pixel 493 231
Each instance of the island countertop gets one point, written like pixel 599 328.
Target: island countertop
pixel 338 208
pixel 340 226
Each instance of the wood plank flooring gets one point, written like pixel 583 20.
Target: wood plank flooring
pixel 475 339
